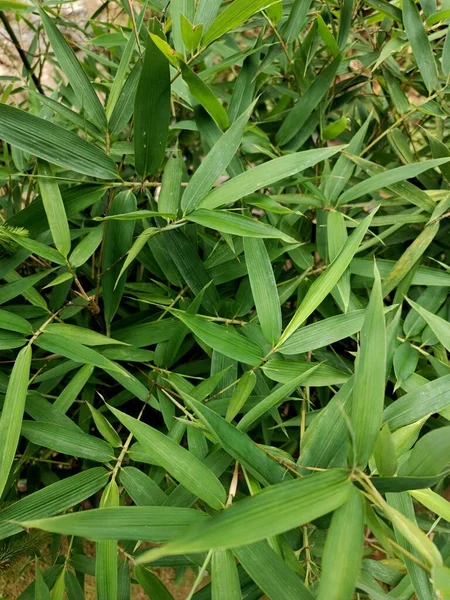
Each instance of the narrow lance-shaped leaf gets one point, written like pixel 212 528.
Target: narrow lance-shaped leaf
pixel 224 576
pixel 345 539
pixel 323 285
pixel 185 467
pixel 151 584
pixel 74 72
pixel 53 143
pixel 242 391
pixel 52 499
pixel 274 510
pixel 271 573
pixel 224 339
pixel 409 258
pixel 214 164
pixel 54 208
pixel 387 178
pixel 263 175
pixel 368 389
pixel 152 111
pixel 235 224
pixel 264 288
pixel 12 413
pixel 233 15
pixel 439 326
pixel 106 559
pixel 336 238
pixel 420 44
pixel 205 96
pixel 301 112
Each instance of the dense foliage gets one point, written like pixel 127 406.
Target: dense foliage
pixel 224 315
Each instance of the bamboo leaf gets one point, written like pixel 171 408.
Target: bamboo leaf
pixel 52 499
pixel 232 16
pixel 274 510
pixel 263 175
pixel 151 111
pixel 67 440
pixel 368 389
pixel 345 538
pixel 264 288
pixel 420 45
pixel 74 72
pixel 53 143
pixel 150 523
pixel 106 563
pixel 268 569
pixel 205 96
pixel 223 339
pixel 326 282
pixel 192 473
pixel 12 413
pixel 225 577
pixel 235 224
pixel 214 164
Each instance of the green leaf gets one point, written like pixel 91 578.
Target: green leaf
pixel 387 178
pixel 149 523
pixel 53 143
pixel 106 560
pixel 336 240
pixel 323 333
pixel 238 444
pixel 142 489
pixel 52 499
pixel 170 195
pixel 214 164
pixel 264 288
pixel 269 571
pixel 263 175
pixel 235 224
pixel 420 45
pixel 104 427
pixel 345 538
pixel 232 16
pixel 67 440
pixel 242 391
pixel 275 398
pixel 403 504
pixel 70 348
pixel 274 510
pixel 409 258
pixel 324 443
pixel 302 111
pixel 13 322
pixel 151 584
pixel 182 465
pixel 223 338
pixel 430 455
pixel 439 326
pixel 420 402
pixel 435 503
pixel 224 576
pixel 151 111
pixel 323 285
pixel 12 413
pixel 384 453
pixel 81 334
pixel 117 241
pixel 368 388
pixel 74 72
pixel 205 96
pixel 70 393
